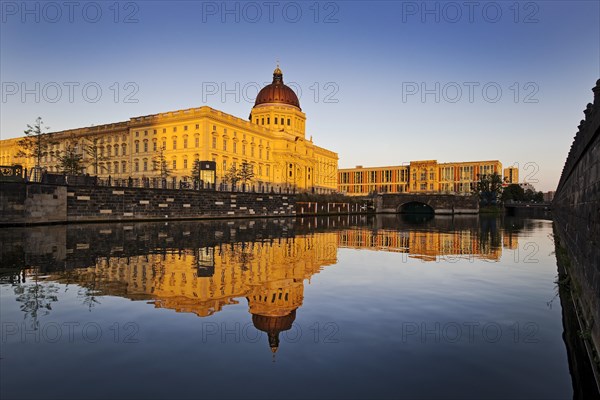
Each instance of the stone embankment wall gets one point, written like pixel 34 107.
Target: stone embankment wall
pixel 576 211
pixel 32 203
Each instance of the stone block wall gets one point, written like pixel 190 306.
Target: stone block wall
pixel 85 203
pixel 576 210
pixel 32 203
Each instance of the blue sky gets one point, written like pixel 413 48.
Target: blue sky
pixel 382 83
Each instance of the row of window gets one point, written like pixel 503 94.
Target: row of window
pixel 276 120
pixel 164 130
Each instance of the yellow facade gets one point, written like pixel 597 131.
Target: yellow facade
pixel 273 141
pixel 511 175
pixel 426 176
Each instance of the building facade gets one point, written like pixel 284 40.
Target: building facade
pixel 273 141
pixel 419 177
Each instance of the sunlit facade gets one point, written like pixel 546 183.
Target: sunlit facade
pixel 273 141
pixel 426 176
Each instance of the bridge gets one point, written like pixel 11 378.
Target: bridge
pixel 430 203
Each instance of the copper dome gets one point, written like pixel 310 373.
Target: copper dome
pixel 277 92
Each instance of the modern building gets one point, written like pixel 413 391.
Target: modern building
pixel 273 141
pixel 418 177
pixel 527 186
pixel 511 175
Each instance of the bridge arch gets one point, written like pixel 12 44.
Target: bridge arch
pixel 415 207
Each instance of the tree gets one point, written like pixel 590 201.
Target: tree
pixel 195 174
pixel 70 160
pixel 232 176
pixel 94 153
pixel 246 172
pixel 160 164
pixel 513 192
pixel 36 143
pixel 489 188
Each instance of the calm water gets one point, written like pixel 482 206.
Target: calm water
pixel 345 307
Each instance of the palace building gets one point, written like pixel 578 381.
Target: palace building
pixel 427 176
pixel 273 141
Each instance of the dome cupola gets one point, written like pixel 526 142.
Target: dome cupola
pixel 277 92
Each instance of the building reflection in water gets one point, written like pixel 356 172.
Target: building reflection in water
pixel 200 267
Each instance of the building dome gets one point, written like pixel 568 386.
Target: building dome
pixel 277 92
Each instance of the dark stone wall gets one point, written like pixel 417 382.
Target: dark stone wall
pixel 576 210
pixel 32 203
pixel 86 203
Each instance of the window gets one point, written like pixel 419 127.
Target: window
pixel 243 149
pixel 164 144
pixel 174 143
pixel 259 153
pixel 256 121
pixel 174 164
pixel 137 146
pixel 262 121
pixel 197 126
pixel 124 148
pixel 267 172
pixel 145 146
pixel 185 127
pixel 252 151
pixel 267 155
pixel 288 121
pixel 174 129
pixel 116 149
pixel 164 130
pixel 145 164
pixel 123 166
pixel 116 167
pixel 154 145
pixel 136 166
pixel 108 167
pixel 185 142
pixel 185 163
pixel 145 133
pixel 224 144
pixel 275 120
pixel 137 134
pixel 268 120
pixel 197 138
pixel 108 150
pixel 224 165
pixel 235 147
pixel 214 142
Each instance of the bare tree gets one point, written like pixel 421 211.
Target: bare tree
pixel 246 172
pixel 70 160
pixel 160 164
pixel 36 142
pixel 95 155
pixel 232 176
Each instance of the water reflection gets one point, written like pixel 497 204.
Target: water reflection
pixel 366 278
pixel 201 267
